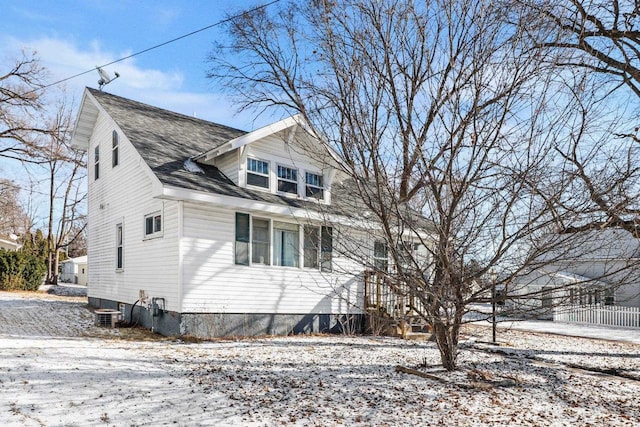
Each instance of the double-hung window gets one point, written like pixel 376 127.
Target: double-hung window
pixel 313 185
pixel 243 237
pixel 286 243
pixel 380 256
pixel 326 248
pixel 311 246
pixel 258 173
pixel 318 246
pixel 96 162
pixel 260 241
pixel 119 248
pixel 287 180
pixel 252 240
pixel 115 143
pixel 153 225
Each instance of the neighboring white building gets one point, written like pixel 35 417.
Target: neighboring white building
pixel 74 270
pixel 9 245
pixel 603 269
pixel 223 232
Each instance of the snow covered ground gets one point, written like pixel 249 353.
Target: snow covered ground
pixel 57 369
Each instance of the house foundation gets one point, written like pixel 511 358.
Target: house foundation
pixel 217 325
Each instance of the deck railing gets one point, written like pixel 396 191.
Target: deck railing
pixel 386 295
pixel 597 314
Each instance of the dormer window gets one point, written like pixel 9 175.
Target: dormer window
pixel 313 187
pixel 258 173
pixel 287 180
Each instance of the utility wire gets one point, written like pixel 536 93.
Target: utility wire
pixel 231 18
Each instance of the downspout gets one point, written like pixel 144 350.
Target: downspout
pixel 180 254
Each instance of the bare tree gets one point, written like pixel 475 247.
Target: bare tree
pixel 445 121
pixel 594 48
pixel 66 170
pixel 22 109
pixel 600 36
pixel 13 218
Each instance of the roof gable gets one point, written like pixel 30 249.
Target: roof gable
pixel 168 142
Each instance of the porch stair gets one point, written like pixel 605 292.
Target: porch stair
pixel 393 309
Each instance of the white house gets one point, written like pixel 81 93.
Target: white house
pixel 197 228
pixel 600 268
pixel 9 244
pixel 74 270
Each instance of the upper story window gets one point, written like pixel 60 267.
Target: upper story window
pixel 96 162
pixel 258 173
pixel 153 225
pixel 287 180
pixel 313 185
pixel 115 142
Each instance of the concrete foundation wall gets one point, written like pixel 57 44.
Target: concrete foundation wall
pixel 213 325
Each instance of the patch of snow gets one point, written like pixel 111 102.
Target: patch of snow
pixel 191 166
pixel 57 368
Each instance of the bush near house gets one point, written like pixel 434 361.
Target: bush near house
pixel 21 271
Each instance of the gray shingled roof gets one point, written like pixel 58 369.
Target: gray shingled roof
pixel 165 140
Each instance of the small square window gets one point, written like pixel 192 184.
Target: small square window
pixel 153 225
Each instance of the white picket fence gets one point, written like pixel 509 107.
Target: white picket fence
pixel 597 314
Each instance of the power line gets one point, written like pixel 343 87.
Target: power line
pixel 223 21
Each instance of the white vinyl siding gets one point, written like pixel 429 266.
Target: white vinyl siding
pixel 214 283
pixel 122 195
pixel 228 165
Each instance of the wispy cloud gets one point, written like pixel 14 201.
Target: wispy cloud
pixel 162 88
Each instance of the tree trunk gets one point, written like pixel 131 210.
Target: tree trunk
pixel 446 336
pixel 56 265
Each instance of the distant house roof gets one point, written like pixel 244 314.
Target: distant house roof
pixel 167 141
pixel 9 244
pixel 77 260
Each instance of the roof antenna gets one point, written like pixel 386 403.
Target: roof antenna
pixel 104 77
